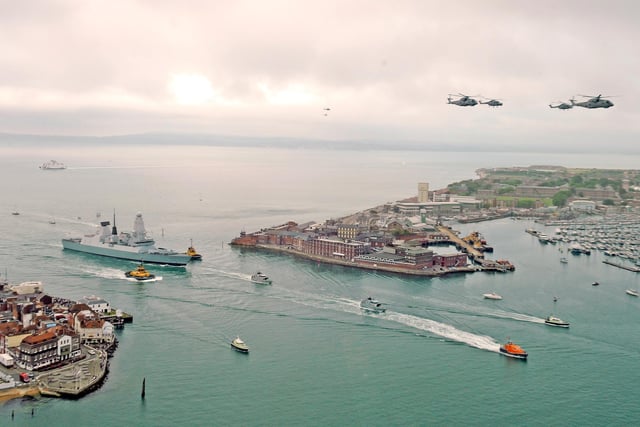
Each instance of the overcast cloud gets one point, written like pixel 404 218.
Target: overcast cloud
pixel 269 68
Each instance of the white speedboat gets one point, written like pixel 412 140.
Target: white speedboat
pixel 632 292
pixel 555 321
pixel 238 345
pixel 261 279
pixel 492 295
pixel 371 305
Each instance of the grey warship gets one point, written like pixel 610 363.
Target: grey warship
pixel 134 246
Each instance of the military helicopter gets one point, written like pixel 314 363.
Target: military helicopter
pixel 563 105
pixel 463 101
pixel 492 103
pixel 594 102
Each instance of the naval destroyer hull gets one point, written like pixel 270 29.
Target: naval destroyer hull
pixel 131 253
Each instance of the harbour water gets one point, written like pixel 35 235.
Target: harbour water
pixel 431 359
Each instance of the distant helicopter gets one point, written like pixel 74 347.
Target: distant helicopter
pixel 463 101
pixel 594 102
pixel 563 105
pixel 326 111
pixel 493 103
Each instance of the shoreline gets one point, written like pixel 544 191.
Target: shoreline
pixel 18 392
pixel 365 266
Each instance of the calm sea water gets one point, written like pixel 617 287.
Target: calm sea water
pixel 315 359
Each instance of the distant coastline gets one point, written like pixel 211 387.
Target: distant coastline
pixel 215 140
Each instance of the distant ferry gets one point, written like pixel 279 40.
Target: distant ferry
pixel 134 246
pixel 52 165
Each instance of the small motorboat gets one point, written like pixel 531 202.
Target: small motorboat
pixel 632 292
pixel 492 295
pixel 564 260
pixel 238 345
pixel 261 279
pixel 555 321
pixel 140 274
pixel 510 349
pixel 371 305
pixel 595 284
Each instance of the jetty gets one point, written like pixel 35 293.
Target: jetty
pixel 633 268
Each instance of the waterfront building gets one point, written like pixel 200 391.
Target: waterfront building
pixel 431 208
pixel 583 205
pixel 423 192
pixel 598 193
pixel 51 346
pixel 466 203
pixel 414 258
pixel 536 191
pixel 450 260
pixel 440 197
pixel 347 231
pixel 96 304
pixel 333 248
pixel 92 329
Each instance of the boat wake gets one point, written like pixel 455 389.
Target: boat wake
pixel 106 273
pixel 468 310
pixel 112 273
pixel 155 279
pixel 233 274
pixel 444 330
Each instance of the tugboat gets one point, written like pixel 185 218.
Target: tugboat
pixel 510 349
pixel 551 320
pixel 191 251
pixel 238 345
pixel 140 274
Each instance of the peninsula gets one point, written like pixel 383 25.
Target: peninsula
pixel 407 236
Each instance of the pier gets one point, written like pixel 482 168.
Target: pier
pixel 623 266
pixel 473 253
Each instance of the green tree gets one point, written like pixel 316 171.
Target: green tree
pixel 526 203
pixel 560 198
pixel 506 190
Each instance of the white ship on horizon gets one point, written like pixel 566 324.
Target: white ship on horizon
pixel 52 165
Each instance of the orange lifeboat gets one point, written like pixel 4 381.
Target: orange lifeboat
pixel 513 350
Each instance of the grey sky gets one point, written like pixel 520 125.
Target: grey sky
pixel 268 68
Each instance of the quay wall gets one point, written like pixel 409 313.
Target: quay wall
pixel 366 265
